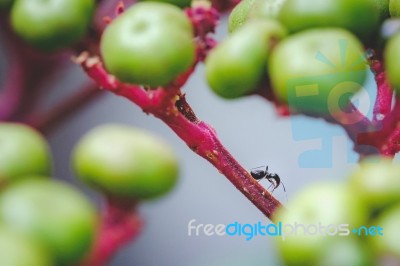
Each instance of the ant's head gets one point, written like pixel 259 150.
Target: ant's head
pixel 274 178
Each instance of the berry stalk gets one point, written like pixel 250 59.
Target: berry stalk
pixel 169 105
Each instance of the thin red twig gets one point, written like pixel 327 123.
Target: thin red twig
pixel 384 98
pixel 169 105
pixel 120 223
pixel 47 120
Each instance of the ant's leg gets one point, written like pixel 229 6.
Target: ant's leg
pixel 271 185
pixel 284 189
pixel 262 166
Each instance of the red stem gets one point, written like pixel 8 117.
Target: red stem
pixel 47 120
pixel 384 98
pixel 120 224
pixel 169 105
pixel 383 133
pixel 12 89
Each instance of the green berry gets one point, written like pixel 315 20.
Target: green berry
pixel 180 3
pixel 322 209
pixel 237 66
pixel 383 7
pixel 52 213
pixel 377 182
pixel 247 10
pixel 394 8
pixel 52 24
pixel 6 3
pixel 317 71
pixel 19 250
pixel 388 244
pixel 345 251
pixel 126 162
pixel 151 43
pixel 392 61
pixel 361 17
pixel 23 152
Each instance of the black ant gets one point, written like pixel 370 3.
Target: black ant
pixel 274 179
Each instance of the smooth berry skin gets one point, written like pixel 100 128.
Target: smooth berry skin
pixel 179 3
pixel 23 152
pixel 392 61
pixel 377 182
pixel 19 250
pixel 151 43
pixel 54 214
pixel 53 24
pixel 247 10
pixel 335 70
pixel 383 7
pixel 319 204
pixel 345 251
pixel 394 8
pixel 361 17
pixel 125 162
pixel 6 3
pixel 388 243
pixel 237 66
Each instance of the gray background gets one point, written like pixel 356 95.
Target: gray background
pixel 250 130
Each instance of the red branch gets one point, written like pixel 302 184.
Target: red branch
pixel 384 98
pixel 45 121
pixel 119 225
pixel 224 5
pixel 384 133
pixel 169 105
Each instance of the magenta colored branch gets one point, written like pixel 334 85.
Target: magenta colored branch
pixel 27 71
pixel 224 5
pixel 47 120
pixel 383 134
pixel 384 99
pixel 379 136
pixel 169 105
pixel 386 136
pixel 11 92
pixel 12 89
pixel 120 224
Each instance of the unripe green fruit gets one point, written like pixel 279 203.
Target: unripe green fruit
pixel 126 162
pixel 151 43
pixel 392 61
pixel 236 66
pixel 18 250
pixel 23 151
pixel 388 244
pixel 383 7
pixel 317 71
pixel 52 24
pixel 323 205
pixel 394 8
pixel 180 3
pixel 52 213
pixel 345 251
pixel 5 3
pixel 358 16
pixel 377 183
pixel 253 9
